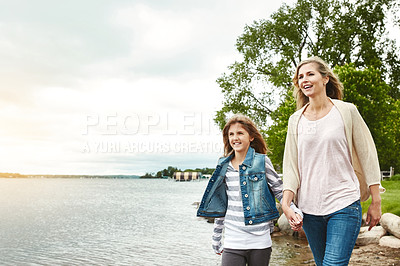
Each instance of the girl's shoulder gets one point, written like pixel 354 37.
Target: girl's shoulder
pixel 261 155
pixel 223 160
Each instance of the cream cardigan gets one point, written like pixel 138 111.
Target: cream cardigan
pixel 363 152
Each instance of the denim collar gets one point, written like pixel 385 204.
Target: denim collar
pixel 248 160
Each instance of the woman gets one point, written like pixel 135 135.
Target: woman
pixel 241 197
pixel 330 164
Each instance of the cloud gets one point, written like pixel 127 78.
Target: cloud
pixel 63 63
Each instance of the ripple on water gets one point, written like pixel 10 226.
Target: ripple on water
pixel 109 222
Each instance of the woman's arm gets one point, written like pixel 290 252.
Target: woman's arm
pixel 276 185
pixel 374 211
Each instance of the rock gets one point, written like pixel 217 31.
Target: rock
pixel 391 223
pixel 389 241
pixel 279 207
pixel 364 220
pixel 276 234
pixel 284 225
pixel 363 229
pixel 276 229
pixel 370 237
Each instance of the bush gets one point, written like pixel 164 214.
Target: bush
pixel 390 199
pixel 395 178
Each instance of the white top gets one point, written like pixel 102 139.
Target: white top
pixel 237 234
pixel 327 179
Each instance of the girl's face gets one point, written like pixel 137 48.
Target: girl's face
pixel 239 138
pixel 310 81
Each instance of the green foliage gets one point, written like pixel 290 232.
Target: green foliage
pixel 204 171
pixel 167 172
pixel 277 131
pixel 367 89
pixel 148 175
pixel 395 178
pixel 171 170
pixel 341 32
pixel 390 199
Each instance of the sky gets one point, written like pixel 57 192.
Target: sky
pixel 115 87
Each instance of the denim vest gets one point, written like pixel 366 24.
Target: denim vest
pixel 258 201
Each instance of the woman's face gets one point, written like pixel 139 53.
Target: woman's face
pixel 310 81
pixel 239 138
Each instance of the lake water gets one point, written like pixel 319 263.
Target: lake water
pixel 60 221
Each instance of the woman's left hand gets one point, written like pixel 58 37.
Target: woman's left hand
pixel 374 211
pixel 374 214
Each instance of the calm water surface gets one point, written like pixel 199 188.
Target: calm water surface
pixel 111 222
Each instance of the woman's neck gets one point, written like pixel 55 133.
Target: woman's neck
pixel 319 104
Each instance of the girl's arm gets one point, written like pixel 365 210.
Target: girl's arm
pixel 217 235
pixel 276 185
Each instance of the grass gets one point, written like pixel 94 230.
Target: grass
pixel 390 199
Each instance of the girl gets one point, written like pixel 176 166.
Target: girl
pixel 240 195
pixel 330 163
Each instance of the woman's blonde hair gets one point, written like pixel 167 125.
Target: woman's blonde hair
pixel 334 88
pixel 258 143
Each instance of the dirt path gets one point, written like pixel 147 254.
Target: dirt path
pixel 375 255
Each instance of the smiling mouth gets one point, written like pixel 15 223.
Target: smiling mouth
pixel 307 87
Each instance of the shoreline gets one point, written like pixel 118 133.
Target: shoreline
pixel 371 254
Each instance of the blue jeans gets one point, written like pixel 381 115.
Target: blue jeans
pixel 332 237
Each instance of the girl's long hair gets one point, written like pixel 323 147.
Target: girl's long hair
pixel 334 88
pixel 258 143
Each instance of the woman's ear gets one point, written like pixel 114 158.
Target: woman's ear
pixel 326 81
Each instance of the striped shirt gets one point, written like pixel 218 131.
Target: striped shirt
pixel 236 234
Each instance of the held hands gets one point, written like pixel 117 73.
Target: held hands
pixel 294 219
pixel 297 223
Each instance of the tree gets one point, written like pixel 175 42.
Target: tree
pixel 367 89
pixel 339 31
pixel 168 171
pixel 204 171
pixel 148 175
pixel 277 131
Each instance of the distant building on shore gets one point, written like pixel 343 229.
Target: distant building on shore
pixel 186 176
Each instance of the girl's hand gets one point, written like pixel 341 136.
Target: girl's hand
pixel 297 227
pixel 294 219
